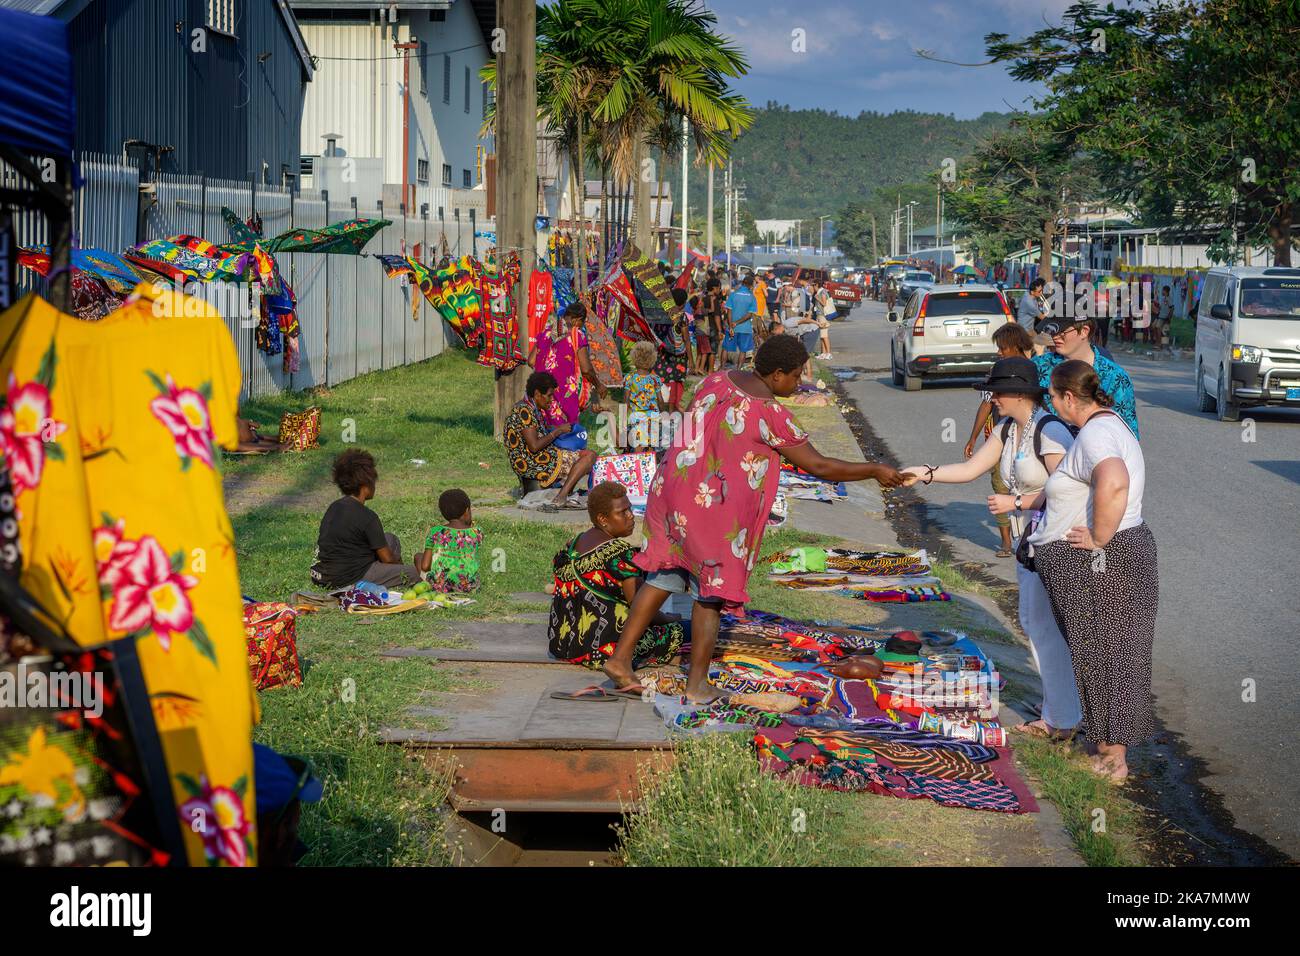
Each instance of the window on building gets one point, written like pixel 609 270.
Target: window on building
pixel 306 165
pixel 424 68
pixel 446 78
pixel 446 174
pixel 422 171
pixel 221 15
pixel 485 99
pixel 467 177
pixel 467 84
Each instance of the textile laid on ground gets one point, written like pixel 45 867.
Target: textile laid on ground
pixel 917 733
pixel 589 608
pixel 111 431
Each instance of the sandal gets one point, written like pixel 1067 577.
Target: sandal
pixel 1003 553
pixel 593 693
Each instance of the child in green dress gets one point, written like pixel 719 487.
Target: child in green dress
pixel 449 561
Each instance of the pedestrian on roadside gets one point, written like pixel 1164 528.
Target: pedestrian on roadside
pixel 1033 305
pixel 741 308
pixel 1072 339
pixel 798 322
pixel 1011 340
pixel 1097 559
pixel 825 304
pixel 1025 448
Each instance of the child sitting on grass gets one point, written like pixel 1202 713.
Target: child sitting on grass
pixel 644 392
pixel 449 561
pixel 352 545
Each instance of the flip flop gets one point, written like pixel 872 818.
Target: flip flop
pixel 630 692
pixel 1003 553
pixel 593 694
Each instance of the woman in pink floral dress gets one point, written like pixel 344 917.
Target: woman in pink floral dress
pixel 709 502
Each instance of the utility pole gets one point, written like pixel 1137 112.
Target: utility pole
pixel 685 175
pixel 708 225
pixel 516 173
pixel 727 207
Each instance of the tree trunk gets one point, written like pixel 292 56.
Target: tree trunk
pixel 659 204
pixel 580 211
pixel 1045 252
pixel 575 211
pixel 604 216
pixel 1279 230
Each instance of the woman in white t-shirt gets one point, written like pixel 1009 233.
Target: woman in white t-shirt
pixel 1026 446
pixel 1097 559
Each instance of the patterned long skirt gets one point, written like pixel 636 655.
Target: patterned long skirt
pixel 1105 605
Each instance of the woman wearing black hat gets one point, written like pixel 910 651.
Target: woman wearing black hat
pixel 1026 446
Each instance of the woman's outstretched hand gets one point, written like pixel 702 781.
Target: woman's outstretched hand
pixel 1002 504
pixel 889 477
pixel 917 472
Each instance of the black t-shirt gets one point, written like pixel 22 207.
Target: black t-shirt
pixel 350 534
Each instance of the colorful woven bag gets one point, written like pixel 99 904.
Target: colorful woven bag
pixel 301 430
pixel 271 630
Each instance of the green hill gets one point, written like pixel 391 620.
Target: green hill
pixel 805 163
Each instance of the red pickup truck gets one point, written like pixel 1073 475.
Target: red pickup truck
pixel 847 295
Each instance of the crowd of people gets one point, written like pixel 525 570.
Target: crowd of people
pixel 1055 433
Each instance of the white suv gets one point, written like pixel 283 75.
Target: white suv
pixel 1248 339
pixel 946 330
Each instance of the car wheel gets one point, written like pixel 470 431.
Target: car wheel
pixel 911 383
pixel 1229 411
pixel 1204 400
pixel 895 374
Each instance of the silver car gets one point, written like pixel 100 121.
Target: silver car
pixel 946 330
pixel 911 281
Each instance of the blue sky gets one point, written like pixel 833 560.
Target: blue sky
pixel 859 53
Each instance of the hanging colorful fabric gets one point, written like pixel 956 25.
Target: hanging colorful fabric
pixel 540 287
pixel 603 352
pixel 500 326
pixel 563 288
pixel 648 274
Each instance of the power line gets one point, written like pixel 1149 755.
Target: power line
pixel 374 59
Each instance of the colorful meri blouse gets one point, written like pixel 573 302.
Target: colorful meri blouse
pixel 545 465
pixel 589 608
pixel 112 432
pixel 1114 382
pixel 710 499
pixel 559 356
pixel 455 558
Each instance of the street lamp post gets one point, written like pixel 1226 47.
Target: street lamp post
pixel 909 226
pixel 821 235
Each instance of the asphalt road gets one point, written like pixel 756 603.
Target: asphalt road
pixel 1224 503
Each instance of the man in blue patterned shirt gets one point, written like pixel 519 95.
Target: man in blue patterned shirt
pixel 1072 339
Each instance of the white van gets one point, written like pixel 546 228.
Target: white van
pixel 1248 339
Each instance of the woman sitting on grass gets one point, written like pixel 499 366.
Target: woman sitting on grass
pixel 595 581
pixel 532 452
pixel 352 545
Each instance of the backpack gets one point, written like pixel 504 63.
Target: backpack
pixel 1038 434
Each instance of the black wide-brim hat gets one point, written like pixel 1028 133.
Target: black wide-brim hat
pixel 1013 376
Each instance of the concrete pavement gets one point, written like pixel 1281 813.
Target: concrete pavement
pixel 1224 503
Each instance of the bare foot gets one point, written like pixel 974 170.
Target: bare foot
pixel 1116 771
pixel 620 674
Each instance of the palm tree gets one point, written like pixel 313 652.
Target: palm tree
pixel 617 74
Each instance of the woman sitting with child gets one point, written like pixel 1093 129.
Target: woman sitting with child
pixel 449 561
pixel 595 581
pixel 352 545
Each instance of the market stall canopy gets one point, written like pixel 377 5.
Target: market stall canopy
pixel 347 237
pixel 37 108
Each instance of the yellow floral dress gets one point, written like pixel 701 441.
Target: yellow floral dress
pixel 111 432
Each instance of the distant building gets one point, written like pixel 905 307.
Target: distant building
pixel 776 230
pixel 352 131
pixel 181 86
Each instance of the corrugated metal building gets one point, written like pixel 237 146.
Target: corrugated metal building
pixel 200 86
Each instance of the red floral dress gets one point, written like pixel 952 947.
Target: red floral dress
pixel 711 497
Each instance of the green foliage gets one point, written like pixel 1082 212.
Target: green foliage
pixel 1188 105
pixel 807 163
